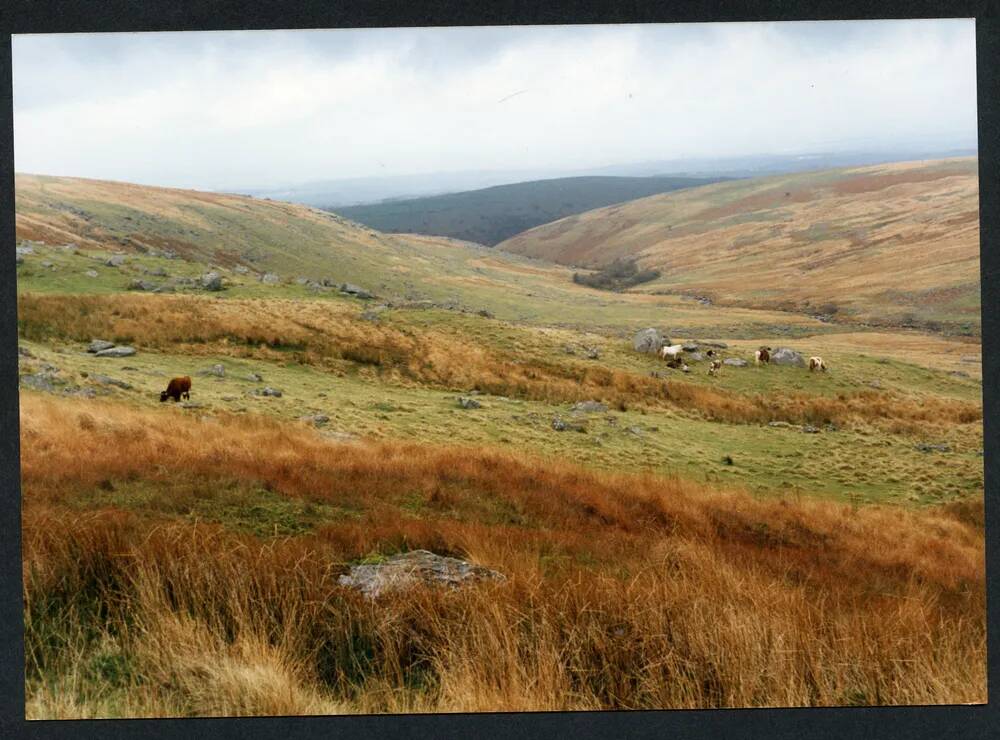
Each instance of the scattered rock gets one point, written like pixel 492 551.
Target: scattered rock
pixel 810 429
pixel 156 272
pixel 117 351
pixel 142 285
pixel 717 345
pixel 115 260
pixel 218 371
pixel 267 391
pixel 23 250
pixel 592 353
pixel 255 378
pixel 786 356
pixel 105 380
pixel 270 278
pixel 241 269
pixel 779 424
pixel 875 384
pixel 468 403
pixel 410 569
pixel 91 273
pixel 99 345
pixel 356 291
pixel 690 347
pixel 192 405
pixel 568 426
pixel 38 381
pixel 925 447
pixel 317 420
pixel 485 313
pixel 211 281
pixel 46 264
pixel 637 431
pixel 589 407
pixel 696 357
pixel 735 362
pixel 649 340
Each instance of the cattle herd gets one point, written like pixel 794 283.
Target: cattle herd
pixel 180 387
pixel 672 354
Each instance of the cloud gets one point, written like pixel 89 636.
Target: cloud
pixel 225 109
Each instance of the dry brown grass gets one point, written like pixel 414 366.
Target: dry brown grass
pixel 622 591
pixel 329 336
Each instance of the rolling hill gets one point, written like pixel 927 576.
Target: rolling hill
pixel 896 243
pixel 490 215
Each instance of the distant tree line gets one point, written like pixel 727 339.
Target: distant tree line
pixel 618 275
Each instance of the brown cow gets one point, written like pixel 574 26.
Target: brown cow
pixel 715 368
pixel 176 388
pixel 762 356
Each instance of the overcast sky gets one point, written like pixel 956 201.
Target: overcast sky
pixel 265 108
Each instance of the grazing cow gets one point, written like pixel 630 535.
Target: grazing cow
pixel 176 388
pixel 671 351
pixel 762 356
pixel 816 363
pixel 715 368
pixel 710 353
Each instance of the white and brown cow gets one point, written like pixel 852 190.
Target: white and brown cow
pixel 816 363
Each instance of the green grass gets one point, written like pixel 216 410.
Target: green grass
pixel 767 460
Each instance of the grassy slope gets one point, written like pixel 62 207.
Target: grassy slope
pixel 881 242
pixel 222 232
pixel 281 502
pixel 490 215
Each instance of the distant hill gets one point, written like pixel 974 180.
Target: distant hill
pixel 490 215
pixel 895 242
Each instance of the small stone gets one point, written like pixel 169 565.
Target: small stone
pixel 735 362
pixel 267 391
pixel 211 281
pixel 105 380
pixel 589 407
pixel 810 429
pixel 270 278
pixel 925 447
pixel 117 351
pixel 255 378
pixel 91 273
pixel 468 403
pixel 98 345
pixel 410 569
pixel 115 260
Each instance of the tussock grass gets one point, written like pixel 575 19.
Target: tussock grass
pixel 622 591
pixel 331 336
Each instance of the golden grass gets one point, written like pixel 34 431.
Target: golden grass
pixel 329 335
pixel 621 592
pixel 796 241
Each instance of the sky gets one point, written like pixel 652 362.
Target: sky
pixel 217 110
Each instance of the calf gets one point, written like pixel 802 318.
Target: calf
pixel 715 368
pixel 176 388
pixel 816 363
pixel 762 356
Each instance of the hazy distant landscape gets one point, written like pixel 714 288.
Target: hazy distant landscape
pixel 595 438
pixel 494 214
